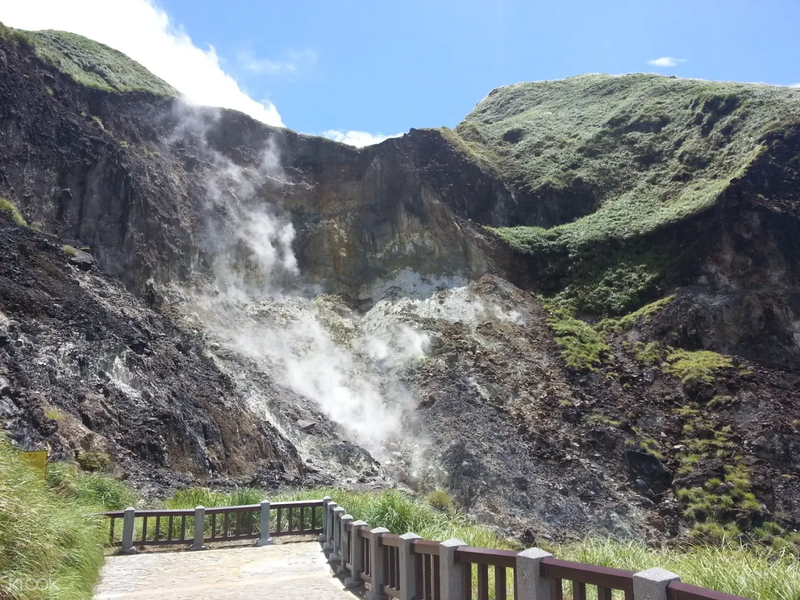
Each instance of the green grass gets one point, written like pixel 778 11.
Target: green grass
pixel 598 419
pixel 601 164
pixel 47 530
pixel 582 347
pixel 92 64
pixel 760 573
pixel 701 365
pixel 649 353
pixel 642 315
pixel 649 149
pixel 9 207
pixel 94 461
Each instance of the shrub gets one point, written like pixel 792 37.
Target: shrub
pixel 648 354
pixel 644 314
pixel 700 365
pixel 92 460
pixel 440 500
pixel 581 346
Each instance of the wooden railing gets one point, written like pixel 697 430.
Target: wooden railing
pixel 425 556
pixel 500 561
pixel 201 525
pixel 410 568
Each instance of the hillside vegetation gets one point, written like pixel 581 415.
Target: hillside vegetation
pixel 91 63
pixel 599 162
pixel 635 151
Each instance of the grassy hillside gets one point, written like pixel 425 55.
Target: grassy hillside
pixel 646 149
pixel 91 63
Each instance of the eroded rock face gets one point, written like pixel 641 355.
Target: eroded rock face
pixel 85 365
pixel 152 185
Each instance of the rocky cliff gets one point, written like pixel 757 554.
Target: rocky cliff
pixel 576 311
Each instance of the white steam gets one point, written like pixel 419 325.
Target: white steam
pixel 253 308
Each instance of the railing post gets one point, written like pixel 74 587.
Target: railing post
pixel 376 563
pixel 328 545
pixel 530 585
pixel 408 572
pixel 356 555
pixel 265 539
pixel 325 501
pixel 127 531
pixel 344 546
pixel 450 571
pixel 336 555
pixel 199 528
pixel 652 584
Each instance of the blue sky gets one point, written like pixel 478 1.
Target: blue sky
pixel 384 66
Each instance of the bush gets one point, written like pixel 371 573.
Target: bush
pixel 440 500
pixel 92 460
pixel 581 346
pixel 700 365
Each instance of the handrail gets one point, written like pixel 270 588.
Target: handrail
pixel 607 577
pixel 409 567
pixel 425 547
pixel 486 556
pixel 683 591
pixel 160 527
pixel 404 566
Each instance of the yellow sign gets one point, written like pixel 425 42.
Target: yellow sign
pixel 36 460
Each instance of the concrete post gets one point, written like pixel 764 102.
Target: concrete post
pixel 530 584
pixel 376 563
pixel 408 572
pixel 344 551
pixel 325 501
pixel 336 555
pixel 266 538
pixel 199 528
pixel 356 556
pixel 451 572
pixel 327 546
pixel 127 531
pixel 652 584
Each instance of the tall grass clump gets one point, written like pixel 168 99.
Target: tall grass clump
pixel 48 539
pixel 9 207
pixel 752 572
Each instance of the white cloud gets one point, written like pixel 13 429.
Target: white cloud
pixel 293 65
pixel 666 61
pixel 145 33
pixel 795 85
pixel 359 139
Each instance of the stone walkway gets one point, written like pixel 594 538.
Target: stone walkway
pixel 281 572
